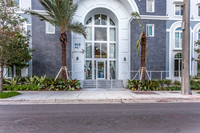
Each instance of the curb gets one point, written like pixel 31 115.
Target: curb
pixel 101 101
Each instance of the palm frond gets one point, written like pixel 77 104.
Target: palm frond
pixel 77 28
pixel 136 15
pixel 42 17
pixel 60 14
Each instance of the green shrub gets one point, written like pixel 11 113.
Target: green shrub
pixel 153 85
pixel 194 84
pixel 161 83
pixel 168 82
pixel 22 88
pixel 62 85
pixel 174 88
pixel 37 83
pixel 12 81
pixel 177 83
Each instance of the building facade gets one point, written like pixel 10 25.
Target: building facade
pixel 109 51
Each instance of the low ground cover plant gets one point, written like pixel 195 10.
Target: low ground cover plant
pixel 4 95
pixel 42 83
pixel 161 85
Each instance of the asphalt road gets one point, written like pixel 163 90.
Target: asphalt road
pixel 110 118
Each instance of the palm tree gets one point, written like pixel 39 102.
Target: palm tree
pixel 142 40
pixel 60 14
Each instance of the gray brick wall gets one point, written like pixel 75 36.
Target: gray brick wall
pixel 36 5
pixel 156 46
pixel 160 7
pixel 47 55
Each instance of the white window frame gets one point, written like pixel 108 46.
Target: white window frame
pixel 153 8
pixel 47 31
pixel 179 10
pixel 153 29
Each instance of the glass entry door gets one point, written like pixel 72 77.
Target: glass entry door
pixel 100 48
pixel 100 69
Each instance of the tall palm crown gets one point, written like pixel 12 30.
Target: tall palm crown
pixel 137 15
pixel 60 14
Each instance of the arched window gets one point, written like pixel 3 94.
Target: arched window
pixel 177 65
pixel 178 38
pixel 100 47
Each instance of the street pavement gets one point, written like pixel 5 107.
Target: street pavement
pixel 99 96
pixel 101 118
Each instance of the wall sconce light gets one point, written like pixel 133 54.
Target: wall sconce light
pixel 124 58
pixel 77 58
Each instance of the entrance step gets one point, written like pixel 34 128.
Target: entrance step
pixel 103 84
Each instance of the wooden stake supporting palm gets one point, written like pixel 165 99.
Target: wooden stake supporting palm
pixel 142 40
pixel 60 14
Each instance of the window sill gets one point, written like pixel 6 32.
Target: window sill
pixel 177 49
pixel 151 36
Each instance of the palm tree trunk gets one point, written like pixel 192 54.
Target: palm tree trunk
pixel 143 56
pixel 1 78
pixel 63 42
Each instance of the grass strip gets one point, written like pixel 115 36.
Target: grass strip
pixel 4 95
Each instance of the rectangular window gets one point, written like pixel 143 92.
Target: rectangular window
pixel 89 33
pixel 112 50
pixel 100 50
pixel 199 11
pixel 100 34
pixel 150 5
pixel 18 72
pixel 88 50
pixel 113 69
pixel 88 69
pixel 179 10
pixel 9 72
pixel 178 39
pixel 50 29
pixel 17 2
pixel 150 30
pixel 112 34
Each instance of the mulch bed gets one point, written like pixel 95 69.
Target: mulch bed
pixel 145 93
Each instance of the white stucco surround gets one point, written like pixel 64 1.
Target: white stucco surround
pixel 118 9
pixel 173 51
pixel 194 54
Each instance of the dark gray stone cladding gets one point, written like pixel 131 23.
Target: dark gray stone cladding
pixel 156 54
pixel 47 54
pixel 36 5
pixel 160 7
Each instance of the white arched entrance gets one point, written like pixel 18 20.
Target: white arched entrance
pixel 120 12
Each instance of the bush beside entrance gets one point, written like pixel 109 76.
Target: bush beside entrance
pixel 160 85
pixel 42 83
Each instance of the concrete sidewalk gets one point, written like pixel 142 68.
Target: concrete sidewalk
pixel 103 96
